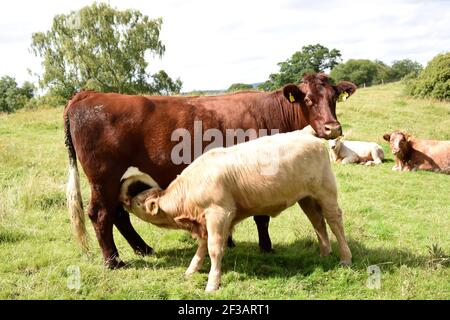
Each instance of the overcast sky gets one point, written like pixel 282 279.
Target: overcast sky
pixel 212 44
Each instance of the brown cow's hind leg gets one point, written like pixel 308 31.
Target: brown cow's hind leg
pixel 102 218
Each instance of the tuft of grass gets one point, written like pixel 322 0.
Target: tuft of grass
pixel 397 221
pixel 437 257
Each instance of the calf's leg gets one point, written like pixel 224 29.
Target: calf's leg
pixel 262 223
pixel 378 156
pixel 314 214
pixel 218 227
pixel 333 215
pixel 199 257
pixel 123 223
pixel 348 160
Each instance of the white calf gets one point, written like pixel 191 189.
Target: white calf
pixel 367 153
pixel 226 185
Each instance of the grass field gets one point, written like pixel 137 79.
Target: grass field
pixel 392 220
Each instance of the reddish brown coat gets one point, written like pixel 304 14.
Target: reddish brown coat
pixel 418 154
pixel 110 132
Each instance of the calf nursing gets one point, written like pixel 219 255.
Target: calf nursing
pixel 226 185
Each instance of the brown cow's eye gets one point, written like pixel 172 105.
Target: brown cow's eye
pixel 308 102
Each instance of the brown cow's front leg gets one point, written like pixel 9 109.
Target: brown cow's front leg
pixel 123 224
pixel 262 222
pixel 102 218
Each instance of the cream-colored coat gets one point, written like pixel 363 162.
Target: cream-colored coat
pixel 260 177
pixel 368 153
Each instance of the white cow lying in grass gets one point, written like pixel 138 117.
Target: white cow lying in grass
pixel 368 153
pixel 226 185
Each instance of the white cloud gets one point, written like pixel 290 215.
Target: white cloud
pixel 212 44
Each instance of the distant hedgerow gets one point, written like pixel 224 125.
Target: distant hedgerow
pixel 433 81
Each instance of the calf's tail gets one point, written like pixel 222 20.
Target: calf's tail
pixel 73 192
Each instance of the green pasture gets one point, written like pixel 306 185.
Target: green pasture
pixel 397 221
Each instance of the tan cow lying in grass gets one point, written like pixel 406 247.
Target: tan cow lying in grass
pixel 368 153
pixel 417 154
pixel 226 185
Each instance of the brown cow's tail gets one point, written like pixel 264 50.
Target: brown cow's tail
pixel 73 192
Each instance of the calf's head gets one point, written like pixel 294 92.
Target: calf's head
pixel 145 205
pixel 317 98
pixel 335 144
pixel 399 143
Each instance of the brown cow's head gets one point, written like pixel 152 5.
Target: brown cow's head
pixel 317 98
pixel 399 143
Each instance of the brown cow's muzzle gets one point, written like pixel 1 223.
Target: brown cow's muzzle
pixel 332 130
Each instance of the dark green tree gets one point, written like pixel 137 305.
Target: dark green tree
pixel 434 80
pixel 239 86
pixel 405 67
pixel 100 48
pixel 384 73
pixel 163 84
pixel 359 72
pixel 311 58
pixel 13 97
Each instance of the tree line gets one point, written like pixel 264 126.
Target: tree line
pixel 104 49
pixel 431 82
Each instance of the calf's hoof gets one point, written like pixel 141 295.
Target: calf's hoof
pixel 145 251
pixel 325 253
pixel 212 288
pixel 114 263
pixel 189 273
pixel 345 263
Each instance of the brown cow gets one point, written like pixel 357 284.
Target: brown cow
pixel 417 154
pixel 110 132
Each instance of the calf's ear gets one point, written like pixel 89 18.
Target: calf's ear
pixel 292 93
pixel 196 227
pixel 387 137
pixel 152 206
pixel 345 89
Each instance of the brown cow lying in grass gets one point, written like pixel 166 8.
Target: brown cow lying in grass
pixel 226 185
pixel 417 154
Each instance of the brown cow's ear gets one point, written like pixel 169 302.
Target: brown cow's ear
pixel 152 206
pixel 345 88
pixel 292 93
pixel 387 137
